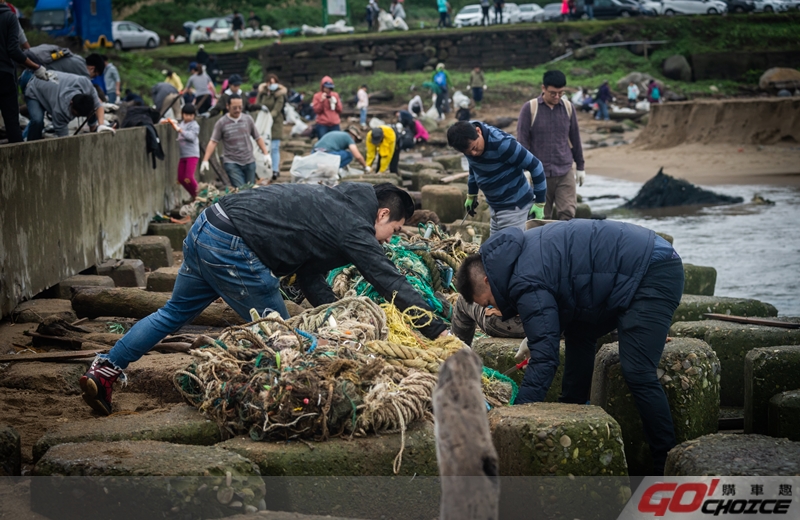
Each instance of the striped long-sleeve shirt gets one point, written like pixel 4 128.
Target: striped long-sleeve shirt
pixel 498 171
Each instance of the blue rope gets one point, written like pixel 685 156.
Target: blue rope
pixel 309 337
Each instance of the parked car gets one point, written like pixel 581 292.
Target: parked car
pixel 552 13
pixel 673 7
pixel 792 5
pixel 609 9
pixel 647 8
pixel 741 6
pixel 215 28
pixel 129 35
pixel 469 15
pixel 770 6
pixel 531 13
pixel 511 13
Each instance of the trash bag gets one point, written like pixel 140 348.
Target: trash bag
pixel 385 21
pixel 643 106
pixel 264 127
pixel 460 100
pixel 339 27
pixel 299 128
pixel 375 122
pixel 308 30
pixel 197 36
pixel 432 113
pixel 290 115
pixel 319 167
pixel 400 24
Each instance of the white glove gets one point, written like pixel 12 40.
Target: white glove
pixel 485 87
pixel 580 176
pixel 267 159
pixel 204 166
pixel 106 128
pixel 41 73
pixel 110 106
pixel 333 103
pixel 524 352
pixel 368 170
pixel 264 108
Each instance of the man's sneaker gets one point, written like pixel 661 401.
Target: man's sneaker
pixel 96 384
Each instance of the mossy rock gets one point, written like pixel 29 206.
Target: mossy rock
pixel 692 307
pixel 498 354
pixel 689 372
pixel 423 165
pixel 446 201
pixel 478 228
pixel 734 455
pixel 363 456
pixel 784 415
pixel 556 439
pixel 375 179
pixel 583 211
pixel 422 178
pixel 699 279
pixel 10 452
pixel 451 163
pixel 181 424
pixel 666 237
pixel 193 481
pixel 767 371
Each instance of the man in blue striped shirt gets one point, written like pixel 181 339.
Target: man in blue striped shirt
pixel 496 165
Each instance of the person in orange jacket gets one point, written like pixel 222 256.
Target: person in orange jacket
pixel 328 106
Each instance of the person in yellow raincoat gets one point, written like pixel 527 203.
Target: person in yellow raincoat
pixel 381 141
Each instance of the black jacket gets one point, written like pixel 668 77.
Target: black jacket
pixel 310 229
pixel 10 51
pixel 576 271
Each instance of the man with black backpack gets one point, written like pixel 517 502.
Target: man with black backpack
pixel 548 128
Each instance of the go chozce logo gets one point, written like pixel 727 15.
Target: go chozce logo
pixel 691 496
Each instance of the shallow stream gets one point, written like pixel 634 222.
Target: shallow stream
pixel 755 248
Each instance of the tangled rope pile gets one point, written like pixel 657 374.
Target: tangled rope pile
pixel 428 264
pixel 207 195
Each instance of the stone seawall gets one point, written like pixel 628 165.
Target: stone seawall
pixel 67 204
pixel 309 61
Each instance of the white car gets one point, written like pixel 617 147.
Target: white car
pixel 216 29
pixel 128 35
pixel 531 13
pixel 511 13
pixel 792 5
pixel 469 15
pixel 673 7
pixel 770 6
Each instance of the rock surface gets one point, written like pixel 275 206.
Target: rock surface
pixel 677 67
pixel 732 342
pixel 784 415
pixel 767 371
pixel 699 280
pixel 176 233
pixel 445 201
pixel 367 456
pixel 61 378
pixel 82 280
pixel 689 372
pixel 153 375
pixel 35 311
pixel 162 279
pixel 154 251
pixel 181 424
pixel 544 439
pixel 693 307
pixel 10 452
pixel 778 78
pixel 125 273
pixel 664 191
pixel 734 455
pixel 451 163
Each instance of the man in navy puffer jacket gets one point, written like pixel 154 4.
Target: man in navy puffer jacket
pixel 585 278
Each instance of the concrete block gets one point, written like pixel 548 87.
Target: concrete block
pixel 35 311
pixel 424 165
pixel 784 415
pixel 153 375
pixel 693 307
pixel 60 378
pixel 82 280
pixel 734 455
pixel 451 163
pixel 162 279
pixel 583 211
pixel 767 371
pixel 689 372
pixel 375 179
pixel 181 424
pixel 498 354
pixel 10 452
pixel 125 273
pixel 422 178
pixel 547 439
pixel 732 342
pixel 699 279
pixel 196 487
pixel 153 251
pixel 175 232
pixel 445 201
pixel 469 230
pixel 364 456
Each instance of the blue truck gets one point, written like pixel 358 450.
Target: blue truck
pixel 86 20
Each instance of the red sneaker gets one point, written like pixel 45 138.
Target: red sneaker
pixel 96 384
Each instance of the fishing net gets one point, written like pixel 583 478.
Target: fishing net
pixel 208 195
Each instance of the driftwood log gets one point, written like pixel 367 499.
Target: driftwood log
pixel 467 458
pixel 92 302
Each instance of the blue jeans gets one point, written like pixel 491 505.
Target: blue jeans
pixel 322 129
pixel 363 119
pixel 345 157
pixel 275 151
pixel 602 110
pixel 590 11
pixel 240 174
pixel 35 127
pixel 214 264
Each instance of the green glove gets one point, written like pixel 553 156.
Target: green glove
pixel 537 211
pixel 470 204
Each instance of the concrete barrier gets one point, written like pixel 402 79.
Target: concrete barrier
pixel 67 204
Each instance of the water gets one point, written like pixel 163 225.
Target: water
pixel 755 249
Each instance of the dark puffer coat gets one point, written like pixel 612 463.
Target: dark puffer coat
pixel 578 270
pixel 310 229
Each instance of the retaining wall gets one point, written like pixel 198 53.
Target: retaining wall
pixel 67 204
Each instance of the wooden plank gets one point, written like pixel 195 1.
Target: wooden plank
pixel 752 321
pixel 464 445
pixel 51 356
pixel 454 177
